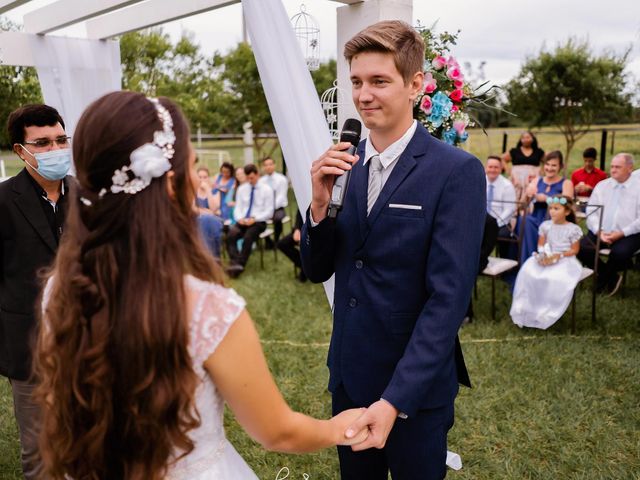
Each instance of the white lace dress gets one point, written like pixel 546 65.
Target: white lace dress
pixel 216 308
pixel 542 294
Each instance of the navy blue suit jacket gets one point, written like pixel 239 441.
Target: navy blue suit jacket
pixel 404 276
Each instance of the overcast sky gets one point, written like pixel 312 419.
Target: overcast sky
pixel 501 32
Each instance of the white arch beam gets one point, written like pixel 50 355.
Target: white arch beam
pixel 63 13
pixel 149 14
pixel 6 5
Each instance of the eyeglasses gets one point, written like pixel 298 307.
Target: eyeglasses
pixel 61 141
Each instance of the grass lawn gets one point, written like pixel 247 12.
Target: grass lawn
pixel 545 405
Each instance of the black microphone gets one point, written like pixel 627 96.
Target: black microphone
pixel 350 133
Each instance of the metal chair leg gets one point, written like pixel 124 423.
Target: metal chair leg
pixel 573 311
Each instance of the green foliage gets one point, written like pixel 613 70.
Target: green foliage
pixel 239 72
pixel 571 88
pixel 324 77
pixel 18 86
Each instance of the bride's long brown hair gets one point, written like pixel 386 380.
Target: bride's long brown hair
pixel 116 379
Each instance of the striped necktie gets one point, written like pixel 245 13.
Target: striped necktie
pixel 375 181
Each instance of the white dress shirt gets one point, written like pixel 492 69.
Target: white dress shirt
pixel 391 154
pixel 388 158
pixel 280 185
pixel 262 208
pixel 627 213
pixel 503 205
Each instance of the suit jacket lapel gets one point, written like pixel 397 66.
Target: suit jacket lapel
pixel 29 204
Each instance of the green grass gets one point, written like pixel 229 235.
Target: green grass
pixel 545 404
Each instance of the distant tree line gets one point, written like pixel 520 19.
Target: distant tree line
pixel 569 87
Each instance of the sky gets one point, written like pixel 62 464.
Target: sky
pixel 502 33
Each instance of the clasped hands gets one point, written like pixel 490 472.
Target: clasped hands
pixel 611 237
pixel 365 428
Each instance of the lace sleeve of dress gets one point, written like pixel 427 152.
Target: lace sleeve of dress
pixel 216 309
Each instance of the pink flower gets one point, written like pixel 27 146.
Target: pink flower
pixel 459 126
pixel 430 83
pixel 426 104
pixel 454 108
pixel 454 73
pixel 439 62
pixel 456 95
pixel 458 83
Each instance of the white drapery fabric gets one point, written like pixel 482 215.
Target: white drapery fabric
pixel 293 101
pixel 74 72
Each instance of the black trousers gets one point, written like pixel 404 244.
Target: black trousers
pixel 249 234
pixel 416 448
pixel 489 239
pixel 278 215
pixel 620 257
pixel 289 247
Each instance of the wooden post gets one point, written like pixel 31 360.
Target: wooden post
pixel 505 136
pixel 603 148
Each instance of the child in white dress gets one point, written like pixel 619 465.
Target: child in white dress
pixel 545 284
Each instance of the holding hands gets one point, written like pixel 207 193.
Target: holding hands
pixel 377 421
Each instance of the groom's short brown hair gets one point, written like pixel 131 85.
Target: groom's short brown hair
pixel 390 36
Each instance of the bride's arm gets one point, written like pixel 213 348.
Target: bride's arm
pixel 240 372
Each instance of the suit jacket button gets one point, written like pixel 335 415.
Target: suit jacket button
pixel 353 302
pixel 359 264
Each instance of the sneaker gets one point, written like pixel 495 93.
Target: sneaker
pixel 616 286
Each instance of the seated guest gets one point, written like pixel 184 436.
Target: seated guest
pixel 501 196
pixel 224 186
pixel 280 186
pixel 289 246
pixel 550 184
pixel 620 230
pixel 500 193
pixel 254 206
pixel 545 283
pixel 207 200
pixel 586 178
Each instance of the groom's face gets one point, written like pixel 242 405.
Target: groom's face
pixel 380 94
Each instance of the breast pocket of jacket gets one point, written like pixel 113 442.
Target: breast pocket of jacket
pixel 406 210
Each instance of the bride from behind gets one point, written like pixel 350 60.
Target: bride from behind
pixel 140 343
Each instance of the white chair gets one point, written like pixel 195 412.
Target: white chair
pixel 496 267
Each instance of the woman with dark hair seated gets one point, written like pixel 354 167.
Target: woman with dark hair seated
pixel 140 343
pixel 550 183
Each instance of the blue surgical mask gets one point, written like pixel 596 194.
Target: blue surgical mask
pixel 52 165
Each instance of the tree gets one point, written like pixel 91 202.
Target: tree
pixel 324 76
pixel 239 72
pixel 18 86
pixel 571 88
pixel 152 65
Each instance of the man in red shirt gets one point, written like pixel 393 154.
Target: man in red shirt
pixel 586 178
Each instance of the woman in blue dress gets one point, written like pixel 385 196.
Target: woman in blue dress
pixel 550 184
pixel 224 183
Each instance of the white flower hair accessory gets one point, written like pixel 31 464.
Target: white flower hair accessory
pixel 148 161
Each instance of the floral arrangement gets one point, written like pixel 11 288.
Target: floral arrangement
pixel 443 108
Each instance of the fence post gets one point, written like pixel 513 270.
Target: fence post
pixel 613 140
pixel 603 148
pixel 504 141
pixel 3 171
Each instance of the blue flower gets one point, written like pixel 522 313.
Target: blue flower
pixel 450 136
pixel 440 110
pixel 464 136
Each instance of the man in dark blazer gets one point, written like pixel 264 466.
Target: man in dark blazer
pixel 405 251
pixel 32 208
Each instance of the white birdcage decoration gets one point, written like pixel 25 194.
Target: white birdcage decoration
pixel 308 35
pixel 330 100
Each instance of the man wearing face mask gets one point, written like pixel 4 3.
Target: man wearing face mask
pixel 32 211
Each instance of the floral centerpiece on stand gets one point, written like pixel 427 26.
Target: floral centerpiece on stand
pixel 445 106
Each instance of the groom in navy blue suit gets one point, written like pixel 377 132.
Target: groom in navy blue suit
pixel 405 252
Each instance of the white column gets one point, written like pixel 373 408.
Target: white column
pixel 352 19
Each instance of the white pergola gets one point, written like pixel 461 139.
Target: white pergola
pixel 73 72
